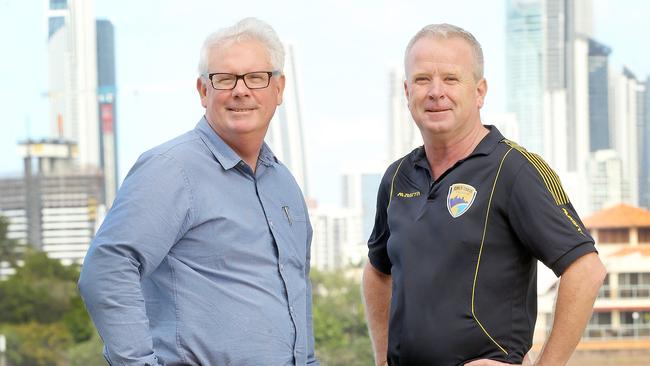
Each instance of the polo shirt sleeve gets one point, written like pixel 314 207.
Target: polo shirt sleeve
pixel 377 243
pixel 544 220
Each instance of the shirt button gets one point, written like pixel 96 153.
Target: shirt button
pixel 291 309
pixel 270 223
pixel 281 268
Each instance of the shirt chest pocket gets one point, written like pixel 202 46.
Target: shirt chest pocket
pixel 293 230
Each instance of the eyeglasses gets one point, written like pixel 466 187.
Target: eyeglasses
pixel 252 80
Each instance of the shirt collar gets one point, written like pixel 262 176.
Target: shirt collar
pixel 224 154
pixel 485 147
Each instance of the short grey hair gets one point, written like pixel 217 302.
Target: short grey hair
pixel 246 29
pixel 447 31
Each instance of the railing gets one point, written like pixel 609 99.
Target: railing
pixel 624 331
pixel 604 292
pixel 633 291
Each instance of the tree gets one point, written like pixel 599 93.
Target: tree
pixel 35 344
pixel 339 321
pixel 8 247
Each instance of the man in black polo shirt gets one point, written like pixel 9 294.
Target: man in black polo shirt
pixel 460 225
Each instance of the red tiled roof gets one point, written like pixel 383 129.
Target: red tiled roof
pixel 644 250
pixel 619 216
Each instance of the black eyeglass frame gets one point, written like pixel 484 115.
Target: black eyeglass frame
pixel 243 78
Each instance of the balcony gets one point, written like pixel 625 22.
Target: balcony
pixel 633 291
pixel 624 331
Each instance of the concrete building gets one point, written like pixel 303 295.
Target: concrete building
pixel 56 205
pixel 621 318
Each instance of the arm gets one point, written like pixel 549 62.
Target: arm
pixel 311 354
pixel 377 289
pixel 147 218
pixel 578 289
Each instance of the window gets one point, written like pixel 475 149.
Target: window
pixel 644 235
pixel 614 236
pixel 58 4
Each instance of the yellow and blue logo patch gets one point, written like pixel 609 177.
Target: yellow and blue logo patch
pixel 460 198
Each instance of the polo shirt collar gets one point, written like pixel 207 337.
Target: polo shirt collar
pixel 224 154
pixel 485 147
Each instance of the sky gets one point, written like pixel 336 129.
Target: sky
pixel 344 52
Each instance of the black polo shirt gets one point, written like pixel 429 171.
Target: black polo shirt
pixel 462 252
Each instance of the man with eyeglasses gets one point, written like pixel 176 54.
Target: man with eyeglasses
pixel 204 257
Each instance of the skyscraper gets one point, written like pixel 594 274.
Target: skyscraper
pixel 524 34
pixel 73 76
pixel 106 96
pixel 644 136
pixel 285 135
pixel 599 136
pixel 360 186
pixel 628 116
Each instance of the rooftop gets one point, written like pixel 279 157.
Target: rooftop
pixel 619 216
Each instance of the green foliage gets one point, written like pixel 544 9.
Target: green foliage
pixel 34 344
pixel 87 353
pixel 9 248
pixel 340 328
pixel 43 316
pixel 41 290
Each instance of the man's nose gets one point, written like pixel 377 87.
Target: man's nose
pixel 240 88
pixel 436 89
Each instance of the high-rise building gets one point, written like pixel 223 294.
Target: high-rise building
pixel 72 91
pixel 524 87
pixel 360 186
pixel 285 135
pixel 106 96
pixel 607 184
pixel 567 26
pixel 629 96
pixel 337 241
pixel 403 133
pixel 599 136
pixel 644 144
pixel 54 206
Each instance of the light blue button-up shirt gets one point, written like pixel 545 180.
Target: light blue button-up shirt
pixel 200 261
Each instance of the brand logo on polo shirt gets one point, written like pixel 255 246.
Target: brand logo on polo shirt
pixel 460 198
pixel 408 195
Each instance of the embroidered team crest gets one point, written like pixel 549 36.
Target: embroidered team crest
pixel 460 198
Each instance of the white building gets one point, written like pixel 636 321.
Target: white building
pixel 72 60
pixel 628 101
pixel 337 240
pixel 607 185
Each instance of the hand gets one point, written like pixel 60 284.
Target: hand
pixel 486 362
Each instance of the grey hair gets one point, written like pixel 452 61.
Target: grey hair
pixel 246 29
pixel 447 31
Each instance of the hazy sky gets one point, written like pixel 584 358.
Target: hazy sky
pixel 344 51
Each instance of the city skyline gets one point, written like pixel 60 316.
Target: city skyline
pixel 345 119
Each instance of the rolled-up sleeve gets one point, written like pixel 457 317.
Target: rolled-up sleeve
pixel 151 213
